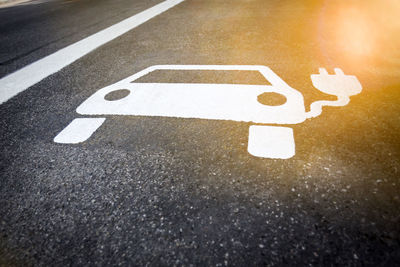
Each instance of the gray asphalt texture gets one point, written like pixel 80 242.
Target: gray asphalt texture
pixel 169 191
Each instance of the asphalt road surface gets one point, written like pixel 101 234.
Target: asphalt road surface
pixel 155 190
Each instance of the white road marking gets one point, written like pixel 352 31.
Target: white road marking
pixel 24 78
pixel 6 3
pixel 237 102
pixel 79 130
pixel 271 142
pixel 339 84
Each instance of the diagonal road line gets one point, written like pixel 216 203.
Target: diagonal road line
pixel 24 78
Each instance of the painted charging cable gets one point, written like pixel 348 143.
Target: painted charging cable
pixel 339 84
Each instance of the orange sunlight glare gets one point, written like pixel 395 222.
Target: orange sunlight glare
pixel 363 35
pixel 354 33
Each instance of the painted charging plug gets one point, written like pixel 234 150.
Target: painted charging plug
pixel 237 102
pixel 338 84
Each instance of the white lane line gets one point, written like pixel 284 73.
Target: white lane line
pixel 24 78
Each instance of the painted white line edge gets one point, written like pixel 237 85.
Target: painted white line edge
pixel 24 78
pixel 271 142
pixel 79 130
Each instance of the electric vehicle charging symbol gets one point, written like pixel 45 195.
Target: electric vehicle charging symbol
pixel 237 102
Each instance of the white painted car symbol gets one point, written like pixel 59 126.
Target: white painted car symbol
pixel 237 102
